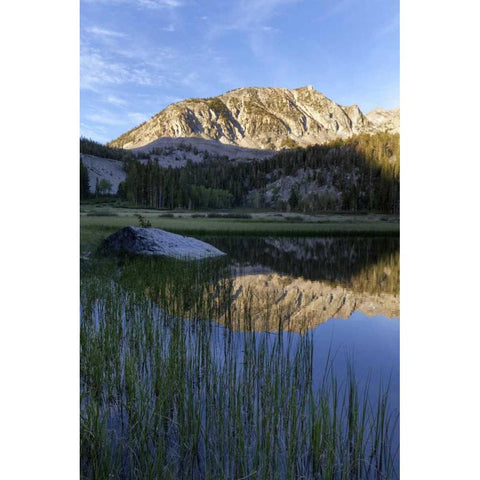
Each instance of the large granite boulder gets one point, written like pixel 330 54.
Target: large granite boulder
pixel 153 241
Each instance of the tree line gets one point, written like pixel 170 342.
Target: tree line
pixel 364 170
pixel 102 187
pixel 90 147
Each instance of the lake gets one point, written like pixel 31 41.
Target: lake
pixel 345 291
pixel 279 361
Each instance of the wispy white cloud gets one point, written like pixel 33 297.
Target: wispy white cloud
pixel 268 28
pixel 156 100
pixel 137 117
pixel 107 117
pixel 96 71
pixel 160 4
pixel 147 55
pixel 113 100
pixel 103 32
pixel 333 8
pixel 94 131
pixel 104 117
pixel 249 15
pixel 169 28
pixel 253 19
pixel 154 4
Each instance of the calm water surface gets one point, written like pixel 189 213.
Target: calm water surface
pixel 337 295
pixel 342 291
pixel 330 258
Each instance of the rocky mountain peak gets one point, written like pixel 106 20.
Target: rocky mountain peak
pixel 259 117
pixel 387 120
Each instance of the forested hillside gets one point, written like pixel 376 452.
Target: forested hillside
pixel 90 147
pixel 357 174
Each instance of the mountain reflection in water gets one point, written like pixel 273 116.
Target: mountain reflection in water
pixel 333 259
pixel 297 284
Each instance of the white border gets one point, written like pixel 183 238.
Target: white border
pixel 39 310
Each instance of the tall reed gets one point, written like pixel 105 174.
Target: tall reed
pixel 168 393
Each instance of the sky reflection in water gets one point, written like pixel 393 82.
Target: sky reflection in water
pixel 354 273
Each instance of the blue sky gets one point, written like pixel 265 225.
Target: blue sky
pixel 138 56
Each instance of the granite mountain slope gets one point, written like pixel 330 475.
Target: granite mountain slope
pixel 261 118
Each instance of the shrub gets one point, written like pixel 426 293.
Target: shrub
pixel 143 222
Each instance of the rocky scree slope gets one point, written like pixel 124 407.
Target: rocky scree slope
pixel 104 169
pixel 261 118
pixel 175 152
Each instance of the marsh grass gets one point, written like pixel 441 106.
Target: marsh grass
pixel 229 215
pixel 102 213
pixel 168 393
pixel 228 226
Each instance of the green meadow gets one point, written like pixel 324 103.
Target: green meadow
pixel 99 221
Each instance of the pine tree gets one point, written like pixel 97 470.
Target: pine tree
pixel 294 199
pixel 84 181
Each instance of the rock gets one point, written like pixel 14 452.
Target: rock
pixel 260 118
pixel 384 120
pixel 175 152
pixel 153 241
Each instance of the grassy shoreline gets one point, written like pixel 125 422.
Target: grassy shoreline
pixel 97 223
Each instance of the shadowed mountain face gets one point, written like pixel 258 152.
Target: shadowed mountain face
pixel 262 118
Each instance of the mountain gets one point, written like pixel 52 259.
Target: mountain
pixel 387 120
pixel 261 118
